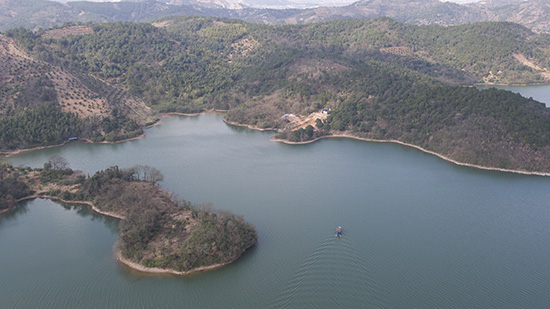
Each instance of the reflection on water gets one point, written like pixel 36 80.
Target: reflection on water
pixel 86 212
pixel 20 210
pixel 83 211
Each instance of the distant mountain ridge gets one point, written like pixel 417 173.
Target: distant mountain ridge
pixel 534 14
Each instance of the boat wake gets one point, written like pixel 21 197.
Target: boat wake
pixel 333 275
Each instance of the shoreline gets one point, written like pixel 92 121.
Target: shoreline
pixel 20 151
pixel 140 136
pixel 156 270
pixel 118 254
pixel 4 155
pixel 83 140
pixel 487 168
pixel 250 127
pixel 208 111
pixel 88 141
pixel 87 203
pixel 512 85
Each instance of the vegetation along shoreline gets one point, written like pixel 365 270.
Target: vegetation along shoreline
pixel 415 147
pixel 378 78
pixel 159 233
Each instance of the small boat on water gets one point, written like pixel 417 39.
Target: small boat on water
pixel 339 231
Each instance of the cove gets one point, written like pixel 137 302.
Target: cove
pixel 537 92
pixel 417 231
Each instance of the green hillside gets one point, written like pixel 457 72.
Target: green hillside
pixel 381 79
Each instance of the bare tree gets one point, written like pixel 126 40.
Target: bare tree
pixel 155 176
pixel 57 162
pixel 147 173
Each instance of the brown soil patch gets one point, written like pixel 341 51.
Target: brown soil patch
pixel 75 97
pixel 33 180
pixel 491 78
pixel 523 60
pixel 300 122
pixel 8 47
pixel 397 50
pixel 161 24
pixel 14 61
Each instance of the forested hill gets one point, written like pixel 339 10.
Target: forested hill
pixel 381 78
pixel 42 103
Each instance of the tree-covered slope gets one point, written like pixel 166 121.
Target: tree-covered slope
pixel 380 78
pixel 487 128
pixel 45 103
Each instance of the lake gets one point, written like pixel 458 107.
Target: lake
pixel 417 231
pixel 540 93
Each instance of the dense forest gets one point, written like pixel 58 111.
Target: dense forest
pixel 11 187
pixel 45 125
pixel 380 79
pixel 157 229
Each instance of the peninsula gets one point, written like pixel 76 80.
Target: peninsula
pixel 158 233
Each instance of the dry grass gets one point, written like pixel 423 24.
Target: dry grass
pixel 32 179
pixel 397 50
pixel 75 97
pixel 67 31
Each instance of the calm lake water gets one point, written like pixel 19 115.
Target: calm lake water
pixel 540 93
pixel 417 231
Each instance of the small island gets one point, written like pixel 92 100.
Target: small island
pixel 159 233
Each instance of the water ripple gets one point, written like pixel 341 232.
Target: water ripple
pixel 334 274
